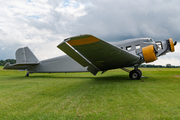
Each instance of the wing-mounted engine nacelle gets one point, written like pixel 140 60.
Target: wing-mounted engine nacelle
pixel 149 53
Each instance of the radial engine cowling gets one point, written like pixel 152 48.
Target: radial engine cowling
pixel 149 53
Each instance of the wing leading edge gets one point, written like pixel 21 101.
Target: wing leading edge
pixel 97 54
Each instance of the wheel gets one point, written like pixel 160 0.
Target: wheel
pixel 139 71
pixel 135 74
pixel 27 74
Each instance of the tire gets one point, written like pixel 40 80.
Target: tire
pixel 135 74
pixel 27 74
pixel 139 72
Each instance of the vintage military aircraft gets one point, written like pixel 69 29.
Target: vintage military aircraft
pixel 88 53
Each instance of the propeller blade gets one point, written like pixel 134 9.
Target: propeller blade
pixel 175 43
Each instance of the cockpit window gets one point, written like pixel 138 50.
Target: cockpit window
pixel 151 40
pixel 148 40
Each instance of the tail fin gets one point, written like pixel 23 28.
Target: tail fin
pixel 25 56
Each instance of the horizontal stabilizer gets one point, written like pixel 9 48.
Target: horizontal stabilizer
pixel 18 66
pixel 14 66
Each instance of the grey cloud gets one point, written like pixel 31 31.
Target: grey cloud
pixel 130 19
pixel 117 20
pixel 109 20
pixel 55 22
pixel 54 3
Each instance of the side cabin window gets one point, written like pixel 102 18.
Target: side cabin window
pixel 138 46
pixel 128 48
pixel 121 47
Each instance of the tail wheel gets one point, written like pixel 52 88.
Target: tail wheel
pixel 27 74
pixel 135 74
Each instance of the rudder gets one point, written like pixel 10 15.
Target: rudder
pixel 24 55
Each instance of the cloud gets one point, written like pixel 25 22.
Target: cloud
pixel 128 19
pixel 43 24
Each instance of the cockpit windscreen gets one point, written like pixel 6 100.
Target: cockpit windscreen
pixel 148 40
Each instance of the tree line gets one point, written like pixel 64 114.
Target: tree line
pixel 13 61
pixel 3 62
pixel 158 66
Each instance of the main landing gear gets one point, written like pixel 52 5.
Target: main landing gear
pixel 135 74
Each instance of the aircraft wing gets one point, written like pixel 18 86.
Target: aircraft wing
pixel 97 54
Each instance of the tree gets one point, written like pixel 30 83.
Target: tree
pixel 168 65
pixel 3 62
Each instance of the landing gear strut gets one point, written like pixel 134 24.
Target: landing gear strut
pixel 134 74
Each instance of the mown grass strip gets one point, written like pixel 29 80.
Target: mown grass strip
pixel 83 96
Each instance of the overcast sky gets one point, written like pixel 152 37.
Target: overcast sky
pixel 43 24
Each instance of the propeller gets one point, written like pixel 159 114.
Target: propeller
pixel 175 43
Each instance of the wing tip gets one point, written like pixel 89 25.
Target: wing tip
pixel 81 40
pixel 83 35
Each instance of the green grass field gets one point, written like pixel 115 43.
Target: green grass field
pixel 111 96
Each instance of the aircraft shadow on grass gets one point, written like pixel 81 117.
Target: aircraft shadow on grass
pixel 110 78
